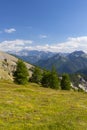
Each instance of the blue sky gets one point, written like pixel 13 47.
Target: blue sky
pixel 54 25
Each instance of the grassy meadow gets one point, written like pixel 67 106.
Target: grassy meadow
pixel 32 107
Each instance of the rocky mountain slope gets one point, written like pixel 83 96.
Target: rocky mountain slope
pixel 8 65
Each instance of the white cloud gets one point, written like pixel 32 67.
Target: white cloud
pixel 10 30
pixel 42 36
pixel 14 45
pixel 70 45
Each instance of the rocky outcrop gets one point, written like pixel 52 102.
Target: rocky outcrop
pixel 8 66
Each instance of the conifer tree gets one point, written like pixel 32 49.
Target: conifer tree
pixel 21 75
pixel 37 75
pixel 46 79
pixel 54 80
pixel 65 82
pixel 50 79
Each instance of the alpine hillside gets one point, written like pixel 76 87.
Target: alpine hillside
pixel 8 65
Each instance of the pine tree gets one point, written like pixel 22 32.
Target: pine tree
pixel 46 79
pixel 65 82
pixel 37 75
pixel 54 80
pixel 50 79
pixel 21 75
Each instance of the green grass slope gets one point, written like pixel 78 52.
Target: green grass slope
pixel 32 107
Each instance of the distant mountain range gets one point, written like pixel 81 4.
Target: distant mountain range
pixel 33 56
pixel 70 63
pixel 63 62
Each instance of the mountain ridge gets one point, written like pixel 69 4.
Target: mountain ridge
pixel 32 56
pixel 63 62
pixel 66 63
